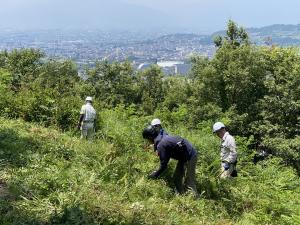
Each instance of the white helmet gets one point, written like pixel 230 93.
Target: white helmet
pixel 217 126
pixel 88 98
pixel 155 122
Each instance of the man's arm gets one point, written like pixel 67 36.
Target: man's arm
pixel 80 121
pixel 164 160
pixel 232 153
pixel 82 113
pixel 95 125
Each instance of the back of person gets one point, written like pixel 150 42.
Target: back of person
pixel 176 147
pixel 89 113
pixel 167 147
pixel 87 119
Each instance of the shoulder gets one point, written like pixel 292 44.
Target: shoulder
pixel 230 140
pixel 83 108
pixel 161 145
pixel 229 137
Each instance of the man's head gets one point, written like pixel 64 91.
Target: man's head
pixel 150 133
pixel 219 129
pixel 89 99
pixel 157 124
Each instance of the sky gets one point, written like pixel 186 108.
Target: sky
pixel 199 16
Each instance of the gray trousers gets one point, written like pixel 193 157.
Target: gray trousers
pixel 87 130
pixel 186 170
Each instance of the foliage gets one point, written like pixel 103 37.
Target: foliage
pixel 235 36
pixel 151 89
pixel 256 89
pixel 54 178
pixel 113 83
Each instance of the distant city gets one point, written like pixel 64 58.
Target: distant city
pixel 169 51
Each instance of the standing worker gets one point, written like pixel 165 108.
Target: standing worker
pixel 87 119
pixel 175 147
pixel 228 151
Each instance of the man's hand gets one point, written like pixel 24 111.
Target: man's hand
pixel 152 175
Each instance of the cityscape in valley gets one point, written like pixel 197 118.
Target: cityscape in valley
pixel 171 52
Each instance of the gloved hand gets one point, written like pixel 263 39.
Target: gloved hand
pixel 152 175
pixel 226 166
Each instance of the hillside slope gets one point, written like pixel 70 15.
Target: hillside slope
pixel 54 178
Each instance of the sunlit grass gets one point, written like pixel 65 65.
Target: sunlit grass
pixel 53 178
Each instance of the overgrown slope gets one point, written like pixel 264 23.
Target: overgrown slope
pixel 54 178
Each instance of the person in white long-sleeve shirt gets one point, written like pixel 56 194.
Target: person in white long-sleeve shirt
pixel 228 151
pixel 87 119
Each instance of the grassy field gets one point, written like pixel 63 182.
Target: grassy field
pixel 49 177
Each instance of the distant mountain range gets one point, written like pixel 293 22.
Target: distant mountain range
pixel 279 34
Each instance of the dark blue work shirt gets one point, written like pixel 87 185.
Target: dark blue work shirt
pixel 167 148
pixel 161 133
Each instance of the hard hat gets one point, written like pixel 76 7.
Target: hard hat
pixel 217 126
pixel 150 133
pixel 155 122
pixel 88 98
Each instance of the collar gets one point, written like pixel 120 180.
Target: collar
pixel 225 136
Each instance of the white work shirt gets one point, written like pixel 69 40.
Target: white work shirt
pixel 228 149
pixel 89 112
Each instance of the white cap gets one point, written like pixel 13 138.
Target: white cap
pixel 155 122
pixel 217 126
pixel 88 98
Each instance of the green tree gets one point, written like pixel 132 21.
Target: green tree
pixel 114 83
pixel 235 36
pixel 177 91
pixel 280 107
pixel 151 89
pixel 24 65
pixel 233 80
pixel 59 75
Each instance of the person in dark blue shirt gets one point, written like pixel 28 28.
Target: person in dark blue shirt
pixel 175 147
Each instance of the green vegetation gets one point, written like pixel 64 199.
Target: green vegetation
pixel 49 176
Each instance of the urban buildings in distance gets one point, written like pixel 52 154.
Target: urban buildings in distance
pixel 169 51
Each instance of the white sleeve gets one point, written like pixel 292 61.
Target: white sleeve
pixel 232 147
pixel 82 111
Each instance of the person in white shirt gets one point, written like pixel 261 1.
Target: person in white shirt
pixel 87 119
pixel 228 151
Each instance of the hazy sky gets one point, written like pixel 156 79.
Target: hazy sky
pixel 176 15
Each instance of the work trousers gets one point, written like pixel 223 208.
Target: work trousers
pixel 229 172
pixel 87 130
pixel 186 170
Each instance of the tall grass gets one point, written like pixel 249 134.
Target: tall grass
pixel 56 178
